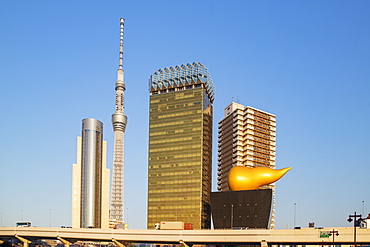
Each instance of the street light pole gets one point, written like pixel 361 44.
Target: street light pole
pixel 354 216
pixel 295 205
pixel 49 217
pixel 127 215
pixel 333 232
pixel 232 216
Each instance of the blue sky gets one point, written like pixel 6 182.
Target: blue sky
pixel 307 62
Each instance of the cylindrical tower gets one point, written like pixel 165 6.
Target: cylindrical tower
pixel 91 187
pixel 119 121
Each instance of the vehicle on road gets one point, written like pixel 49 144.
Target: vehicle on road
pixel 173 225
pixel 23 224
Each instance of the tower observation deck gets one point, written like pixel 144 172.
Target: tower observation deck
pixel 119 121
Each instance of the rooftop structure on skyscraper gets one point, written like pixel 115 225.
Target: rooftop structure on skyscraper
pixel 177 77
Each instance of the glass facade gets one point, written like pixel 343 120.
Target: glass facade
pixel 180 147
pixel 91 182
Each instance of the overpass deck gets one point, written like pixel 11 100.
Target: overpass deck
pixel 305 236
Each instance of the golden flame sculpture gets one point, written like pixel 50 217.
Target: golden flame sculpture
pixel 250 178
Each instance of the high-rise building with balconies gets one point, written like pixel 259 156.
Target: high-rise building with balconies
pixel 180 145
pixel 246 137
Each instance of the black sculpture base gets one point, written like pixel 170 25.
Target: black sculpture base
pixel 241 209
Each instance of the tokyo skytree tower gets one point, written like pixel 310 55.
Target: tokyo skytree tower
pixel 119 121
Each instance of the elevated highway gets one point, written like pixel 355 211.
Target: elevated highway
pixel 263 237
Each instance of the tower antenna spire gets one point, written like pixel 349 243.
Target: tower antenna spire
pixel 119 121
pixel 122 23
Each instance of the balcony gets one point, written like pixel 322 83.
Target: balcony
pixel 237 143
pixel 238 132
pixel 237 148
pixel 249 121
pixel 238 117
pixel 225 139
pixel 238 128
pixel 237 160
pixel 224 150
pixel 248 142
pixel 238 138
pixel 249 110
pixel 224 165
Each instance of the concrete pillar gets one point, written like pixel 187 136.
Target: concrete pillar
pixel 183 244
pixel 64 241
pixel 24 241
pixel 119 243
pixel 264 243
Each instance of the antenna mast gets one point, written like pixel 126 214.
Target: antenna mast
pixel 119 121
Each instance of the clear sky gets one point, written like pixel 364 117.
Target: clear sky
pixel 307 62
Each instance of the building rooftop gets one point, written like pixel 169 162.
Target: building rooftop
pixel 182 75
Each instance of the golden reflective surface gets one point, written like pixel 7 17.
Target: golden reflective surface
pixel 180 163
pixel 247 178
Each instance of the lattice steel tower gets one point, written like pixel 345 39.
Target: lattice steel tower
pixel 119 121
